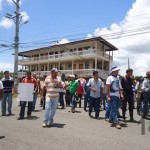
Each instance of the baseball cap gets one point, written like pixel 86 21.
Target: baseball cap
pixel 115 68
pixel 54 70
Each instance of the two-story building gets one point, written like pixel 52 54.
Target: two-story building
pixel 78 57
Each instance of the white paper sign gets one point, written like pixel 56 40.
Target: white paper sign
pixel 25 91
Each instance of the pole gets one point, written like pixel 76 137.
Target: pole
pixel 16 45
pixel 128 63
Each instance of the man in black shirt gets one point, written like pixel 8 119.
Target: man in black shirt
pixel 127 85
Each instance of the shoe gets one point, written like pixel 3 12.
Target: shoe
pixel 20 118
pixel 3 114
pixel 51 123
pixel 1 137
pixel 73 111
pixel 28 116
pixel 44 125
pixel 90 114
pixel 118 126
pixel 9 114
pixel 132 120
pixel 119 116
pixel 96 117
pixel 110 121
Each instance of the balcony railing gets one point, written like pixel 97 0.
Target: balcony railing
pixel 89 52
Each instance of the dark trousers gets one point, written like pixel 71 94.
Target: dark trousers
pixel 22 108
pixel 61 98
pixel 86 101
pixel 67 98
pixel 130 100
pixel 79 99
pixel 94 103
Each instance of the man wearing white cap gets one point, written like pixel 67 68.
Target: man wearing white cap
pixel 113 94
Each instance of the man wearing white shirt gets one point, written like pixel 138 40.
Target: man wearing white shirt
pixel 113 94
pixel 96 93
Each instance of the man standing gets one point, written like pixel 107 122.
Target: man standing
pixel 52 84
pixel 127 85
pixel 96 93
pixel 146 94
pixel 73 86
pixel 113 93
pixel 27 79
pixel 1 95
pixel 36 92
pixel 8 85
pixel 86 94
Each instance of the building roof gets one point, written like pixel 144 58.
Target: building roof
pixel 99 39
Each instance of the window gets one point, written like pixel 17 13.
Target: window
pixel 86 65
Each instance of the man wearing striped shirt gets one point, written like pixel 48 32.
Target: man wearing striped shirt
pixel 52 84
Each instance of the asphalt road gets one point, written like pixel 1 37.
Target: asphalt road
pixel 70 132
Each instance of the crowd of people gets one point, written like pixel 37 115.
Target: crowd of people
pixel 112 93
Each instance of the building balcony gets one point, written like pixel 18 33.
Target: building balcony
pixel 66 56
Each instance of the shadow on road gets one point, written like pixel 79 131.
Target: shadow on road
pixel 32 118
pixel 56 125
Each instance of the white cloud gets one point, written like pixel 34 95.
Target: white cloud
pixel 89 36
pixel 136 47
pixel 6 23
pixel 6 66
pixel 63 41
pixel 25 17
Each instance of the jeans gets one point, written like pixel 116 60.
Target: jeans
pixel 73 101
pixel 104 100
pixel 86 100
pixel 22 108
pixel 34 100
pixel 114 104
pixel 146 101
pixel 108 108
pixel 94 103
pixel 7 97
pixel 50 110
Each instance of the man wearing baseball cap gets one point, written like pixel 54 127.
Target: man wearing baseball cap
pixel 113 94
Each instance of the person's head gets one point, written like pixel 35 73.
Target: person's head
pixel 148 75
pixel 115 70
pixel 6 73
pixel 72 77
pixel 54 72
pixel 28 74
pixel 129 72
pixel 95 74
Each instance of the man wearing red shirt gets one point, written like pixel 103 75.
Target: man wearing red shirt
pixel 27 79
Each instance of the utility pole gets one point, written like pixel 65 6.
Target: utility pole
pixel 17 16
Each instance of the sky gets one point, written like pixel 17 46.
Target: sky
pixel 124 23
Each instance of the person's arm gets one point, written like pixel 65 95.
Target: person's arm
pixel 108 91
pixel 101 95
pixel 1 93
pixel 144 86
pixel 89 86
